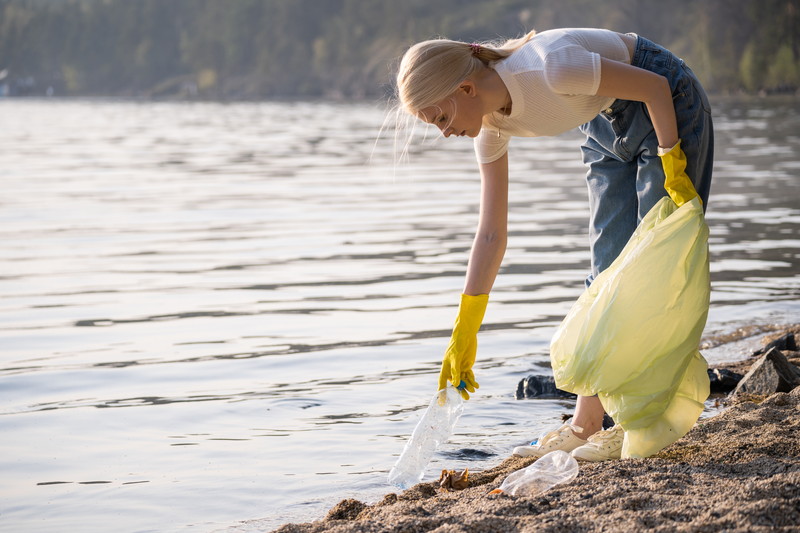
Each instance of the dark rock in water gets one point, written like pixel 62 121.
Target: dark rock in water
pixel 467 454
pixel 770 374
pixel 540 387
pixel 723 380
pixel 785 343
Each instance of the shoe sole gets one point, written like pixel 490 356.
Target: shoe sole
pixel 594 460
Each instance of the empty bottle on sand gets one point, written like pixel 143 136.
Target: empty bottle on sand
pixel 548 471
pixel 433 429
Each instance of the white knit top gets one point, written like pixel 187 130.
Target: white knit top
pixel 552 80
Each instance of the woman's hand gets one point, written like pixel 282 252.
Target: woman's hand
pixel 460 354
pixel 678 184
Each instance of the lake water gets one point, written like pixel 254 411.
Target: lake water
pixel 223 317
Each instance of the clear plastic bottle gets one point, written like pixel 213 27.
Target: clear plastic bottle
pixel 433 429
pixel 549 470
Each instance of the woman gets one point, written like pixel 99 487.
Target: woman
pixel 634 100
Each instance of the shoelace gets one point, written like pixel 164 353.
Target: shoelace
pixel 558 435
pixel 607 436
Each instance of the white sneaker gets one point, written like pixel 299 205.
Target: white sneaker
pixel 562 438
pixel 602 446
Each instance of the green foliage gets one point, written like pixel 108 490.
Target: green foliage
pixel 349 48
pixel 785 69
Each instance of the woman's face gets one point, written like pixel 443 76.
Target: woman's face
pixel 459 114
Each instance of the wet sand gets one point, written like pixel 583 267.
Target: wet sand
pixel 737 471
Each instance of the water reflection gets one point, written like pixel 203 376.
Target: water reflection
pixel 198 298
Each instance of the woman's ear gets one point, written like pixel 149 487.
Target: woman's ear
pixel 467 87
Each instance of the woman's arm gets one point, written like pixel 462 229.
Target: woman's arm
pixel 626 82
pixel 489 245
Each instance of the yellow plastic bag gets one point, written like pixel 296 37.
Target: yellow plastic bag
pixel 632 337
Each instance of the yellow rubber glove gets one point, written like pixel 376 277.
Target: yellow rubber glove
pixel 677 183
pixel 460 354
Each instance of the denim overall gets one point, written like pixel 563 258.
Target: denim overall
pixel 625 177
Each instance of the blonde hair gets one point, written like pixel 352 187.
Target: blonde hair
pixel 430 71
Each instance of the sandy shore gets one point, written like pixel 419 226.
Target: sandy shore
pixel 737 471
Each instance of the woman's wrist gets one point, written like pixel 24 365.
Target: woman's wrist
pixel 662 151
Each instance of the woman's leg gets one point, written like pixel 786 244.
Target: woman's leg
pixel 611 181
pixel 588 416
